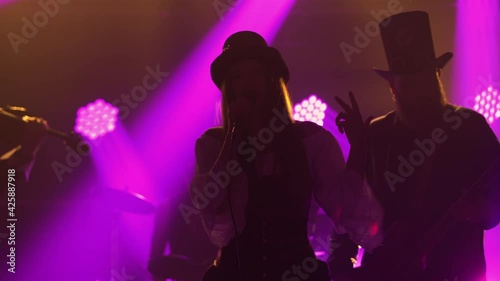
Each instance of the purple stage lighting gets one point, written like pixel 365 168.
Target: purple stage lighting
pixel 476 57
pixel 488 104
pixel 96 119
pixel 311 109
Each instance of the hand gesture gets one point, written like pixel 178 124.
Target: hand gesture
pixel 36 130
pixel 351 122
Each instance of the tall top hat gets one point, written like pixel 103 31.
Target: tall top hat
pixel 408 44
pixel 246 45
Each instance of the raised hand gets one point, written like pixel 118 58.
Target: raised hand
pixel 351 122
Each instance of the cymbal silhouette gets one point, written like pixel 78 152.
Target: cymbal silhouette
pixel 177 267
pixel 124 201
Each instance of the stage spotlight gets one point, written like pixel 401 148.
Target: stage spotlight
pixel 96 119
pixel 488 104
pixel 311 109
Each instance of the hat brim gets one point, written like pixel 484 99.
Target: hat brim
pixel 440 63
pixel 220 66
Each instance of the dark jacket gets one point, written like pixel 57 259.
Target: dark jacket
pixel 418 178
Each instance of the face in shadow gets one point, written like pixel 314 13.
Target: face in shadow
pixel 417 94
pixel 252 79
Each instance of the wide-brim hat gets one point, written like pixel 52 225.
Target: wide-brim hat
pixel 246 45
pixel 408 44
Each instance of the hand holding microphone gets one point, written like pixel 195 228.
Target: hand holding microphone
pixel 238 113
pixel 36 129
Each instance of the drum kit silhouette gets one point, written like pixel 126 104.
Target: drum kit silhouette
pixel 172 267
pixel 117 201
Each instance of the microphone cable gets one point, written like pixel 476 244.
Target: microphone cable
pixel 231 208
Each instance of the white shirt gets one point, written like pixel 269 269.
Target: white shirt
pixel 344 197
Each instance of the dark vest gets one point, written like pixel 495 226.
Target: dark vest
pixel 275 235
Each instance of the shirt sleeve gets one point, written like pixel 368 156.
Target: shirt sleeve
pixel 209 189
pixel 346 198
pixel 16 160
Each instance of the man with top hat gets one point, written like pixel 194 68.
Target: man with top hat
pixel 433 166
pixel 258 172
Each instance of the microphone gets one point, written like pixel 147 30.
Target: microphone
pixel 71 139
pixel 233 127
pixel 252 97
pixel 232 136
pixel 14 127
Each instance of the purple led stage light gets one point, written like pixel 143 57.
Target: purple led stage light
pixel 311 109
pixel 488 104
pixel 96 119
pixel 477 36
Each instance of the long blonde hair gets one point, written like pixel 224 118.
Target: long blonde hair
pixel 278 88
